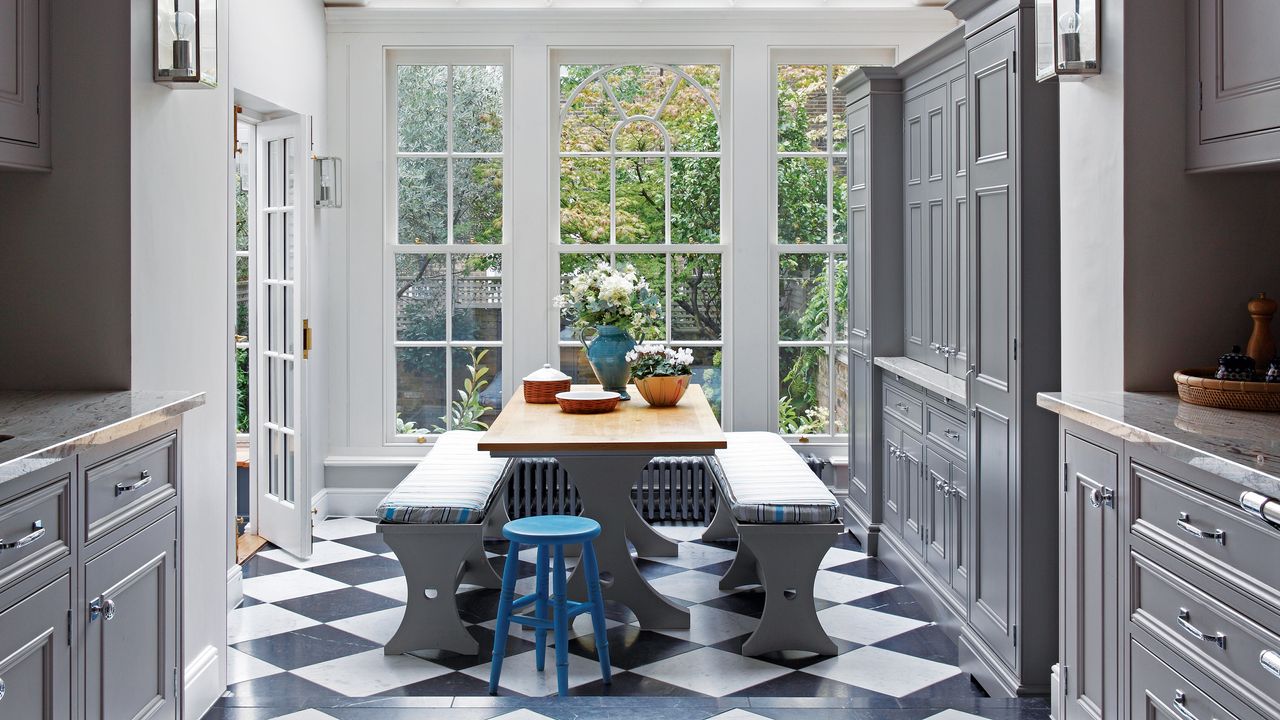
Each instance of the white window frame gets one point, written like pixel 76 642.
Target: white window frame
pixel 805 56
pixel 670 57
pixel 448 57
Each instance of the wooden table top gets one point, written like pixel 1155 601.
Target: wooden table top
pixel 528 429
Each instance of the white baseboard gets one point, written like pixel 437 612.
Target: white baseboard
pixel 203 683
pixel 359 502
pixel 235 586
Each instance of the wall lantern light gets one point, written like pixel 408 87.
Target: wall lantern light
pixel 1067 39
pixel 186 48
pixel 328 186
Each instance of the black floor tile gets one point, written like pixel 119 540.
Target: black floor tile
pixel 360 570
pixel 371 543
pixel 308 646
pixel 258 566
pixel 630 647
pixel 338 604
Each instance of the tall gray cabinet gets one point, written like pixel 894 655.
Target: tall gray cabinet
pixel 948 456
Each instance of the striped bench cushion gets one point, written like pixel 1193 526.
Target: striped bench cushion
pixel 766 482
pixel 454 484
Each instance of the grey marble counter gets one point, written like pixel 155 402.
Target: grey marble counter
pixel 48 426
pixel 929 378
pixel 1243 447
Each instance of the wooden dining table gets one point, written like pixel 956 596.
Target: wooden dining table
pixel 603 455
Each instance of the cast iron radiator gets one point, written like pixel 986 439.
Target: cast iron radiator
pixel 669 489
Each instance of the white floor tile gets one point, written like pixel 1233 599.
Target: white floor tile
pixel 738 714
pixel 519 674
pixel 840 556
pixel 863 626
pixel 370 672
pixel 375 626
pixel 242 667
pixel 395 588
pixel 682 533
pixel 288 585
pixel 309 714
pixel 693 555
pixel 708 626
pixel 580 626
pixel 840 588
pixel 955 715
pixel 692 586
pixel 258 621
pixel 883 671
pixel 711 672
pixel 346 527
pixel 522 714
pixel 322 553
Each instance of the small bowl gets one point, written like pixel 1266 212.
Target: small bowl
pixel 587 402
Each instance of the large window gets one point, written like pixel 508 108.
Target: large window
pixel 810 250
pixel 640 183
pixel 446 243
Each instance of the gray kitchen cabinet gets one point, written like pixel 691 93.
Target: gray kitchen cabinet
pixel 913 493
pixel 1090 555
pixel 24 84
pixel 891 460
pixel 956 258
pixel 1233 93
pixel 35 655
pixel 946 484
pixel 874 120
pixel 131 642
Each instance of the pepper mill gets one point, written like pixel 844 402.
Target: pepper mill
pixel 1262 346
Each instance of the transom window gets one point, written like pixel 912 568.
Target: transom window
pixel 810 250
pixel 640 183
pixel 446 244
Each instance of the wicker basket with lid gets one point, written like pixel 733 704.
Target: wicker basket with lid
pixel 541 385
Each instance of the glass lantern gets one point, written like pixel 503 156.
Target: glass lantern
pixel 1067 39
pixel 186 49
pixel 328 188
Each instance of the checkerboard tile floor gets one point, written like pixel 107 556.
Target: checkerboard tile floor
pixel 306 644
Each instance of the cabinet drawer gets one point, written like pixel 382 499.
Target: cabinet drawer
pixel 904 405
pixel 1158 692
pixel 1229 647
pixel 1214 536
pixel 946 431
pixel 123 487
pixel 35 656
pixel 34 530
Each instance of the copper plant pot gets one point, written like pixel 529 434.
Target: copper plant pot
pixel 663 391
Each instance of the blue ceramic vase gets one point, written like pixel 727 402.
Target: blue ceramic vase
pixel 607 353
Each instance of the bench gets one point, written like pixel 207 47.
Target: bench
pixel 435 522
pixel 785 519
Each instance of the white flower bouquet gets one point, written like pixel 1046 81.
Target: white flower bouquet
pixel 656 360
pixel 607 295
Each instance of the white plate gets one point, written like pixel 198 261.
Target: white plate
pixel 586 395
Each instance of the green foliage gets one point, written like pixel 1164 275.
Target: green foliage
pixel 656 360
pixel 242 390
pixel 466 411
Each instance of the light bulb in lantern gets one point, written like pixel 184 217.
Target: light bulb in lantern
pixel 1069 38
pixel 1069 22
pixel 184 25
pixel 184 28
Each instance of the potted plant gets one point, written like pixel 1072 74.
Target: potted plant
pixel 617 305
pixel 662 374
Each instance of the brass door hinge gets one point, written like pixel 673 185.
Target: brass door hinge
pixel 306 339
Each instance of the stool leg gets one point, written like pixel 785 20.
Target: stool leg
pixel 540 608
pixel 560 581
pixel 596 598
pixel 509 573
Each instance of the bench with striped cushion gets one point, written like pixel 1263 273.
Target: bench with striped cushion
pixel 455 484
pixel 785 519
pixel 435 522
pixel 765 481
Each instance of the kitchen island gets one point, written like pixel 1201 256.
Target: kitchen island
pixel 90 553
pixel 1170 591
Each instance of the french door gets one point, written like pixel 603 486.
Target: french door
pixel 278 442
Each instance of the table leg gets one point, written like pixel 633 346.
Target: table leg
pixel 604 486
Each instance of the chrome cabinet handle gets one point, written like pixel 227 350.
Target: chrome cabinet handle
pixel 1180 705
pixel 1267 508
pixel 144 479
pixel 1270 661
pixel 951 434
pixel 901 407
pixel 37 532
pixel 109 610
pixel 2 688
pixel 1184 621
pixel 102 608
pixel 940 486
pixel 1100 496
pixel 1218 536
pixel 935 347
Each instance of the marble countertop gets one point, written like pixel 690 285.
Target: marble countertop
pixel 952 388
pixel 48 426
pixel 1243 447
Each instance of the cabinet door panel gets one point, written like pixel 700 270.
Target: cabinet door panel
pixel 914 497
pixel 994 531
pixel 1239 67
pixel 890 442
pixel 958 232
pixel 937 483
pixel 35 656
pixel 860 432
pixel 19 71
pixel 1091 603
pixel 959 544
pixel 131 645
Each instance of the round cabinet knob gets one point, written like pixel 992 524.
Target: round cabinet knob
pixel 2 688
pixel 109 609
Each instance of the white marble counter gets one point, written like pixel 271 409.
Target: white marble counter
pixel 952 388
pixel 1243 447
pixel 48 426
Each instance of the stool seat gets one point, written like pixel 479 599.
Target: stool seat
pixel 551 529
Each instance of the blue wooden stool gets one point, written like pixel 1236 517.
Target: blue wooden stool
pixel 548 532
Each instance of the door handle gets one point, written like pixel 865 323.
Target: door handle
pixel 144 479
pixel 952 434
pixel 1184 621
pixel 1180 705
pixel 1100 496
pixel 1218 536
pixel 37 532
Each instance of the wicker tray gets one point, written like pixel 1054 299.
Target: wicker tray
pixel 544 391
pixel 587 402
pixel 1199 387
